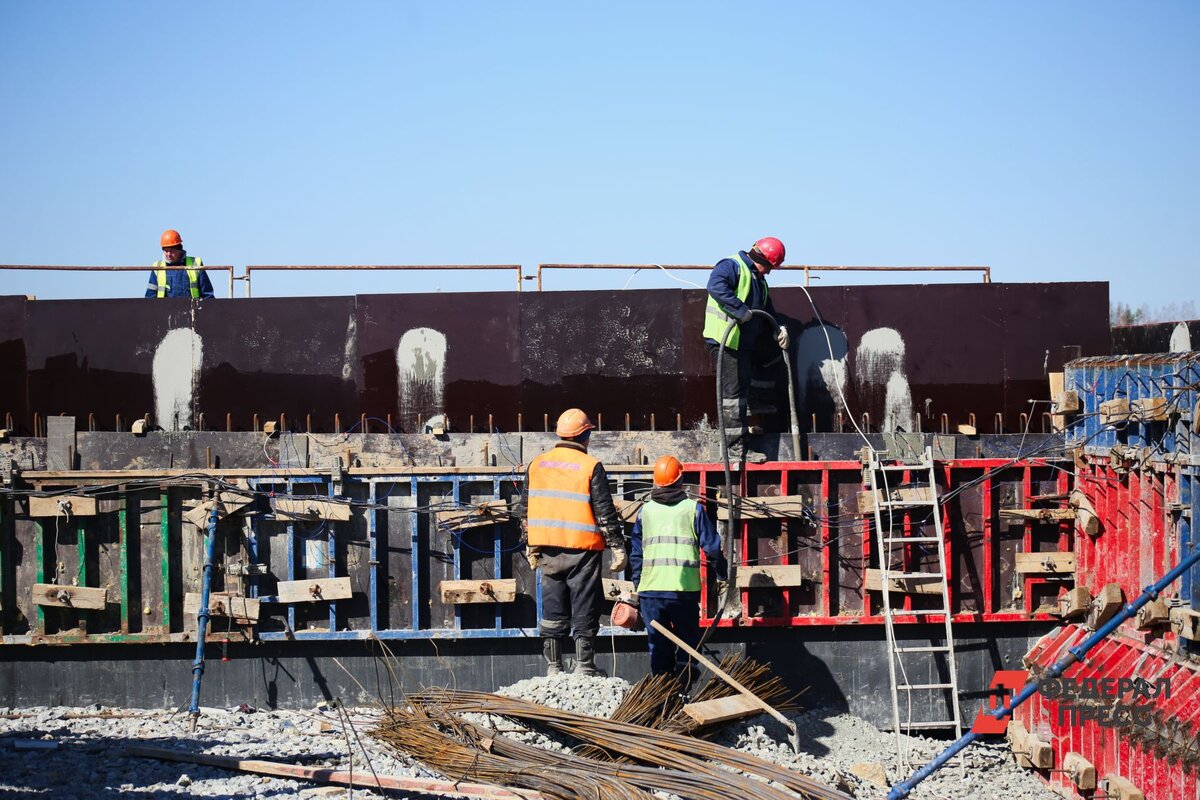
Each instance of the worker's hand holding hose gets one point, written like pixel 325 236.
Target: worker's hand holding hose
pixel 619 559
pixel 783 338
pixel 744 316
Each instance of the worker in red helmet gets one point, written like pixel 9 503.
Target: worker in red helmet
pixel 569 519
pixel 178 274
pixel 751 355
pixel 664 554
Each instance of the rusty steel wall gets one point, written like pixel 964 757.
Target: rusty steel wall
pixel 952 353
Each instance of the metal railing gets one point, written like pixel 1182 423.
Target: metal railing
pixel 807 268
pixel 366 267
pixel 142 268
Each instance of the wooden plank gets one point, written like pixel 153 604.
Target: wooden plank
pixel 1117 788
pixel 435 787
pixel 1039 514
pixel 913 495
pixel 1086 518
pixel 873 582
pixel 614 588
pixel 1051 563
pixel 489 512
pixel 60 596
pixel 231 502
pixel 1106 604
pixel 313 591
pixel 722 709
pixel 771 577
pixel 223 604
pixel 1031 752
pixel 496 590
pixel 1150 409
pixel 1074 603
pixel 315 508
pixel 1154 614
pixel 1114 411
pixel 80 506
pixel 787 505
pixel 1080 770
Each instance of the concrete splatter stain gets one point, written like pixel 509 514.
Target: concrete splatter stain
pixel 881 380
pixel 175 372
pixel 421 375
pixel 1181 338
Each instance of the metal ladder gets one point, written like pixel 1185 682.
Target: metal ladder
pixel 888 499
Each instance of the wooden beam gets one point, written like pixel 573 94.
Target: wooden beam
pixel 61 596
pixel 1105 605
pixel 1049 563
pixel 496 590
pixel 1080 770
pixel 722 709
pixel 1114 411
pixel 1150 409
pixel 1075 603
pixel 1086 518
pixel 905 495
pixel 311 509
pixel 1154 614
pixel 1117 788
pixel 489 512
pixel 1031 752
pixel 1038 514
pixel 873 582
pixel 79 506
pixel 224 604
pixel 614 588
pixel 231 503
pixel 313 591
pixel 771 577
pixel 429 786
pixel 787 505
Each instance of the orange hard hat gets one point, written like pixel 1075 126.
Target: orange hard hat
pixel 573 422
pixel 170 238
pixel 667 470
pixel 625 615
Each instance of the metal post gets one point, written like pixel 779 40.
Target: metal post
pixel 202 614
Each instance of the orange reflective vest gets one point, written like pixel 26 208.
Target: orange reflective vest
pixel 560 501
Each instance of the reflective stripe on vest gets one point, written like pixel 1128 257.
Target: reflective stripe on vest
pixel 670 549
pixel 193 277
pixel 560 501
pixel 715 318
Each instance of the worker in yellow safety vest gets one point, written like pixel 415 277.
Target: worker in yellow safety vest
pixel 569 519
pixel 178 274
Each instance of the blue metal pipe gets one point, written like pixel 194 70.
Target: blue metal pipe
pixel 1074 654
pixel 202 615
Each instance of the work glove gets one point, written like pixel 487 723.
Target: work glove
pixel 722 588
pixel 783 338
pixel 744 316
pixel 532 557
pixel 619 560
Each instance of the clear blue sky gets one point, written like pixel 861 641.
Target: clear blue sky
pixel 1052 141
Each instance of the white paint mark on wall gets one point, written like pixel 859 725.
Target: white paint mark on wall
pixel 176 373
pixel 421 375
pixel 881 380
pixel 1181 338
pixel 348 353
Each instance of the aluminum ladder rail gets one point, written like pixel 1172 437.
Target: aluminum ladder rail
pixel 890 544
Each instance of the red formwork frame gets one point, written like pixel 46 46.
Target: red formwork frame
pixel 987 564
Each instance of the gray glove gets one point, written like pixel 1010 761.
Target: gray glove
pixel 783 338
pixel 532 556
pixel 619 559
pixel 744 316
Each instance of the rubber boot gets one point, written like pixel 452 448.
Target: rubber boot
pixel 552 652
pixel 585 657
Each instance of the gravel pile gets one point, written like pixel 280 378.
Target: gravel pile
pixel 87 759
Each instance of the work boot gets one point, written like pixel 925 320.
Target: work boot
pixel 585 657
pixel 552 652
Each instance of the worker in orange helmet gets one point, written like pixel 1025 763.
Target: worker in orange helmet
pixel 750 360
pixel 178 274
pixel 569 519
pixel 664 554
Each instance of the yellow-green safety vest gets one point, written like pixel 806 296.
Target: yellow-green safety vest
pixel 715 318
pixel 160 276
pixel 670 548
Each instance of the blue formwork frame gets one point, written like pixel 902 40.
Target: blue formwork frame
pixel 419 548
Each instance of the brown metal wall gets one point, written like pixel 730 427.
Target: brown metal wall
pixel 976 349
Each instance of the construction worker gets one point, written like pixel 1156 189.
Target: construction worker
pixel 737 287
pixel 569 519
pixel 178 274
pixel 664 553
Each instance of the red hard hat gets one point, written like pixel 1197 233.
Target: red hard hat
pixel 771 249
pixel 572 423
pixel 667 470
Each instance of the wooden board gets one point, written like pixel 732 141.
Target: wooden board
pixel 1106 605
pixel 81 506
pixel 1045 563
pixel 1075 603
pixel 1114 411
pixel 787 505
pixel 614 588
pixel 223 604
pixel 1039 514
pixel 771 577
pixel 1031 752
pixel 905 495
pixel 1117 788
pixel 313 591
pixel 1150 409
pixel 489 512
pixel 1085 513
pixel 497 590
pixel 231 502
pixel 49 594
pixel 311 509
pixel 1080 771
pixel 873 582
pixel 722 709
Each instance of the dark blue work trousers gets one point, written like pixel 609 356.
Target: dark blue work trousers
pixel 680 614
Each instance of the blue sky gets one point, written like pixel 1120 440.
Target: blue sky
pixel 1051 141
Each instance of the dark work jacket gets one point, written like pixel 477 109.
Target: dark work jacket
pixel 722 285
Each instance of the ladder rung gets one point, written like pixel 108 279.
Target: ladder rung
pixel 912 538
pixel 906 503
pixel 919 612
pixel 903 467
pixel 937 723
pixel 925 686
pixel 925 648
pixel 889 575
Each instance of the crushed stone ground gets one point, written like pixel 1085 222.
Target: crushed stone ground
pixel 88 759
